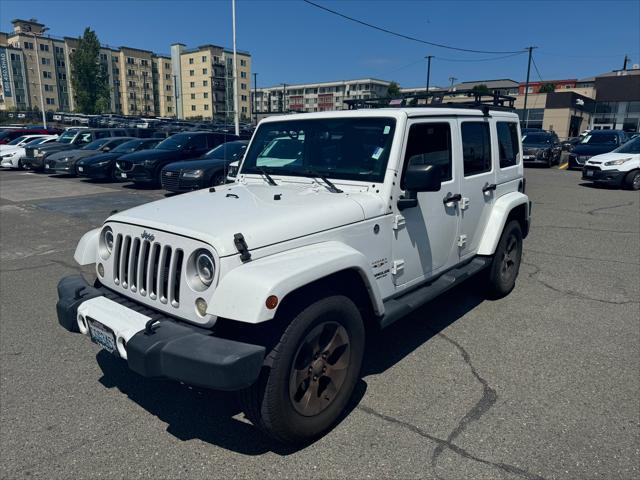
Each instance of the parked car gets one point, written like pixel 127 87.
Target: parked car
pixel 103 165
pixel 14 158
pixel 266 286
pixel 541 148
pixel 9 134
pixel 65 162
pixel 594 143
pixel 72 139
pixel 21 141
pixel 146 166
pixel 207 171
pixel 620 167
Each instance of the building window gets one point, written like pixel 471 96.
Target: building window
pixel 144 63
pixel 244 98
pixel 46 74
pixel 168 88
pixel 51 101
pixel 205 83
pixel 206 94
pixel 192 84
pixel 204 58
pixel 48 88
pixel 167 76
pixel 46 61
pixel 193 96
pixel 131 60
pixel 169 98
pixel 204 71
pixel 169 109
pixel 193 108
pixel 191 61
pixel 244 109
pixel 192 73
pixel 243 62
pixel 243 74
pixel 206 107
pixel 44 47
pixel 243 86
pixel 167 66
pixel 27 45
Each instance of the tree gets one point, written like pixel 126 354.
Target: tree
pixel 89 76
pixel 481 89
pixel 547 88
pixel 393 90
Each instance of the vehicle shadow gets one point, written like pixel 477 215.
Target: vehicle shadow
pixel 215 417
pixel 598 186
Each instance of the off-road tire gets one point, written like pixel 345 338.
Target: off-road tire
pixel 268 403
pixel 505 265
pixel 632 180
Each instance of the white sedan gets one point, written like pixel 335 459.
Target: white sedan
pixel 12 154
pixel 621 167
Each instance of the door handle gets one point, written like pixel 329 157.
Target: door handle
pixel 452 198
pixel 488 187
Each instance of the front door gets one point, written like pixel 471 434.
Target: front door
pixel 478 183
pixel 425 234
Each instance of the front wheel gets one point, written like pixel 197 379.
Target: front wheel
pixel 314 369
pixel 632 180
pixel 505 265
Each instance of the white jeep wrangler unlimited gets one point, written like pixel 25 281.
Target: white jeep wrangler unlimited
pixel 337 222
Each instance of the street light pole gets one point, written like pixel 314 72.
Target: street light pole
pixel 284 93
pixel 236 118
pixel 525 115
pixel 255 94
pixel 35 38
pixel 428 57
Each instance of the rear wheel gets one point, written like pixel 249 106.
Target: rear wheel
pixel 314 369
pixel 505 265
pixel 632 180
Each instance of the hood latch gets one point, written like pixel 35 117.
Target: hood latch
pixel 241 246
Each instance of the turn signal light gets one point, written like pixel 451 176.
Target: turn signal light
pixel 271 302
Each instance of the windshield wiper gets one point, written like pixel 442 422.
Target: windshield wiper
pixel 270 180
pixel 329 183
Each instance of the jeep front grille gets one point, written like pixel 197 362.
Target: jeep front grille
pixel 148 268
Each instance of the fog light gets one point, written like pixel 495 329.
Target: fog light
pixel 201 306
pixel 100 270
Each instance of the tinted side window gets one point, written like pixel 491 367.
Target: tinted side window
pixel 476 148
pixel 508 143
pixel 101 134
pixel 430 144
pixel 199 142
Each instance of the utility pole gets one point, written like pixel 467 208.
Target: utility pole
pixel 626 60
pixel 452 79
pixel 35 38
pixel 525 114
pixel 236 117
pixel 428 57
pixel 255 96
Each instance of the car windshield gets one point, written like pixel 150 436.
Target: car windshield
pixel 632 146
pixel 37 141
pixel 175 142
pixel 128 147
pixel 96 144
pixel 342 148
pixel 227 151
pixel 531 138
pixel 602 138
pixel 67 136
pixel 16 141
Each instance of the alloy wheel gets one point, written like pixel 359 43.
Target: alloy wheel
pixel 509 258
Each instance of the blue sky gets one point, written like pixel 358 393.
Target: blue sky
pixel 293 42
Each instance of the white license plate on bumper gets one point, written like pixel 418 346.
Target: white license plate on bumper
pixel 81 169
pixel 123 175
pixel 101 335
pixel 589 173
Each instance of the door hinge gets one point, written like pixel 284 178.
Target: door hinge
pixel 398 222
pixel 397 267
pixel 464 203
pixel 462 240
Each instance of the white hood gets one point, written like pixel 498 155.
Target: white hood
pixel 252 209
pixel 608 157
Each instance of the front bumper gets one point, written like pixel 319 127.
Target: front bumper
pixel 596 174
pixel 578 161
pixel 160 346
pixel 138 173
pixel 34 163
pixel 177 183
pixel 97 172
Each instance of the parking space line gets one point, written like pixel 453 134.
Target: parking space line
pixel 563 166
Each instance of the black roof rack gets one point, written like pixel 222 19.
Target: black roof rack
pixel 484 101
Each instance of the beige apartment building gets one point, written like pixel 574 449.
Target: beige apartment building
pixel 195 83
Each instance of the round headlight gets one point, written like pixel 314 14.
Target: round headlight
pixel 205 267
pixel 106 242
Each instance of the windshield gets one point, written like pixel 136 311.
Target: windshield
pixel 16 141
pixel 602 138
pixel 67 136
pixel 227 151
pixel 128 147
pixel 37 141
pixel 632 146
pixel 96 144
pixel 342 148
pixel 175 142
pixel 537 138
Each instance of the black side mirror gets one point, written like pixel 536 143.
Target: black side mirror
pixel 105 149
pixel 422 178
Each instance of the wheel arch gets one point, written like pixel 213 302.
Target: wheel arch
pixel 512 206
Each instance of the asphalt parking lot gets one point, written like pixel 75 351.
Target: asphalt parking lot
pixel 542 384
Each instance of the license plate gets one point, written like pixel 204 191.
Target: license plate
pixel 589 173
pixel 81 169
pixel 528 157
pixel 102 335
pixel 123 175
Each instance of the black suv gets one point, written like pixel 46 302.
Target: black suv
pixel 103 166
pixel 71 139
pixel 541 147
pixel 146 166
pixel 594 143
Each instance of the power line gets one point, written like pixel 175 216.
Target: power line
pixel 401 35
pixel 480 59
pixel 536 68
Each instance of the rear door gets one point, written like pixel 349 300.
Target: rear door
pixel 478 182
